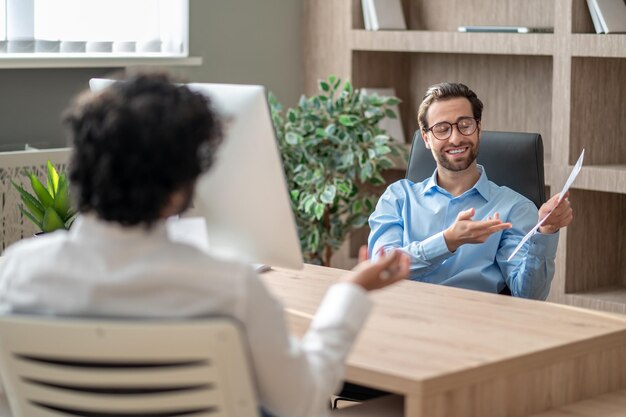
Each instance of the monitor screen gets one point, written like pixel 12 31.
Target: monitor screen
pixel 243 198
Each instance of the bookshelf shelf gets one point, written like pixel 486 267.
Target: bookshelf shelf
pixel 597 45
pixel 570 86
pixel 605 178
pixel 604 298
pixel 452 42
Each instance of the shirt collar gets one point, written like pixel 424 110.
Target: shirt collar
pixel 90 225
pixel 481 186
pixel 431 184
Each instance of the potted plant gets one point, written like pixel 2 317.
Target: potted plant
pixel 48 207
pixel 332 147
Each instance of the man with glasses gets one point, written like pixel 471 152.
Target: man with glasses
pixel 458 227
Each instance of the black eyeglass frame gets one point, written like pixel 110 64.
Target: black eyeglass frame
pixel 459 120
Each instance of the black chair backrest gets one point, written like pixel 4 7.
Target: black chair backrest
pixel 511 159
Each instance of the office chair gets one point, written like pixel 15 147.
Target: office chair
pixel 134 368
pixel 73 367
pixel 511 159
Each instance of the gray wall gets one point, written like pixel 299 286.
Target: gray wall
pixel 249 41
pixel 31 102
pixel 240 41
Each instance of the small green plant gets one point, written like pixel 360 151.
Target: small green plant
pixel 331 148
pixel 49 207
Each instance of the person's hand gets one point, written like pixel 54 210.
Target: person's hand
pixel 465 230
pixel 561 216
pixel 388 269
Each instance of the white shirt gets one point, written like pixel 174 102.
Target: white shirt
pixel 100 269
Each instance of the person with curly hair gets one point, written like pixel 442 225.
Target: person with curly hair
pixel 138 148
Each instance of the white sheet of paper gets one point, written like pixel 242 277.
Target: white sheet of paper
pixel 568 184
pixel 573 175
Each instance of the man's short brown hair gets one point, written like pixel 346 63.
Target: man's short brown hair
pixel 447 91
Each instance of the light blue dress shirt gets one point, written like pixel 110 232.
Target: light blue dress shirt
pixel 413 217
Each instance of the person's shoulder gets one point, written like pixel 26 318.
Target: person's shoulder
pixel 205 273
pixel 509 195
pixel 404 187
pixel 32 254
pixel 38 245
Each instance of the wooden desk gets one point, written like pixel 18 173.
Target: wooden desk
pixel 454 352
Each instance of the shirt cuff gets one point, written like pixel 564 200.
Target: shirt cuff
pixel 543 245
pixel 346 303
pixel 432 248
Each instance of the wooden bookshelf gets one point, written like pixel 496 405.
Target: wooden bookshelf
pixel 569 85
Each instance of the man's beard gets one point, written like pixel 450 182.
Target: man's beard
pixel 444 161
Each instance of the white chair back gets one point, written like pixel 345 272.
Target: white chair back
pixel 72 367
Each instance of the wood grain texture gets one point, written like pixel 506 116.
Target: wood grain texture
pixel 450 320
pixel 450 14
pixel 598 110
pixel 561 86
pixel 593 45
pixel 607 405
pixel 326 26
pixel 596 242
pixel 446 350
pixel 497 80
pixel 611 298
pixel 606 178
pixel 581 18
pixel 535 389
pixel 465 43
pixel 563 17
pixel 382 70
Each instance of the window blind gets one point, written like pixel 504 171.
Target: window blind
pixel 117 27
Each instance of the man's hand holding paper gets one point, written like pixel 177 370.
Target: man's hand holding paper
pixel 557 213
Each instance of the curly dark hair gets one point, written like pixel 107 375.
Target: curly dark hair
pixel 135 143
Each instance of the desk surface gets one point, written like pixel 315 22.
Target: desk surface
pixel 448 349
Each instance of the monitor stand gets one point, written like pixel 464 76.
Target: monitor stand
pixel 260 268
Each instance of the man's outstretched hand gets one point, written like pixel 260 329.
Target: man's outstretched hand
pixel 465 230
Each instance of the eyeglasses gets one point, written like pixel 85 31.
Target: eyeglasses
pixel 443 130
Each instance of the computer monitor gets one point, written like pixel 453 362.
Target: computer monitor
pixel 243 197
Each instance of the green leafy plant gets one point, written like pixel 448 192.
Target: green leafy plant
pixel 332 148
pixel 49 207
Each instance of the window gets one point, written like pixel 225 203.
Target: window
pixel 3 17
pixel 110 27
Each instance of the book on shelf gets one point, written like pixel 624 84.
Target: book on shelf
pixel 608 16
pixel 506 29
pixel 383 14
pixel 367 21
pixel 393 127
pixel 594 17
